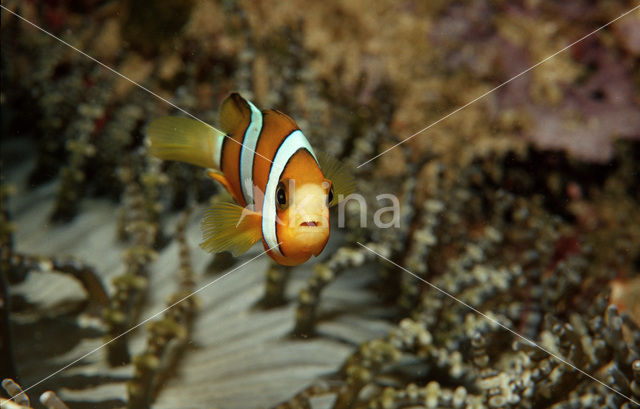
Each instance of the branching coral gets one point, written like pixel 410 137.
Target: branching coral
pixel 72 176
pixel 323 274
pixel 276 280
pixel 508 256
pixel 168 335
pixel 131 286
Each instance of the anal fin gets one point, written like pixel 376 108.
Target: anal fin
pixel 229 227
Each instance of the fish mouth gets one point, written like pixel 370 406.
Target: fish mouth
pixel 309 224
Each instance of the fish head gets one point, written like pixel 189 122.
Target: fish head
pixel 302 204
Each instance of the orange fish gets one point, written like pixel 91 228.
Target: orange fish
pixel 282 189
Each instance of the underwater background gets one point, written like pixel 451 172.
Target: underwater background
pixel 524 205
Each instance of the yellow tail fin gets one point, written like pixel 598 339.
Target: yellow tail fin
pixel 185 140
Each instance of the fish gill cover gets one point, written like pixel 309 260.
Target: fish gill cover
pixel 522 205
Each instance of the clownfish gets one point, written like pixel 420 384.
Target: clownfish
pixel 282 189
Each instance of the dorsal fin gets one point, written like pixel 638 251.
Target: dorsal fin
pixel 234 112
pixel 282 116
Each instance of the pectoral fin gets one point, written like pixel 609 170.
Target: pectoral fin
pixel 229 227
pixel 341 178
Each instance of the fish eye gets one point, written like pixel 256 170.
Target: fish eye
pixel 281 196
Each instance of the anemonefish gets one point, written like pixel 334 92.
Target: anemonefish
pixel 282 189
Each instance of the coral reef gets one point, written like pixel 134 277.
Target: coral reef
pixel 476 242
pixel 522 205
